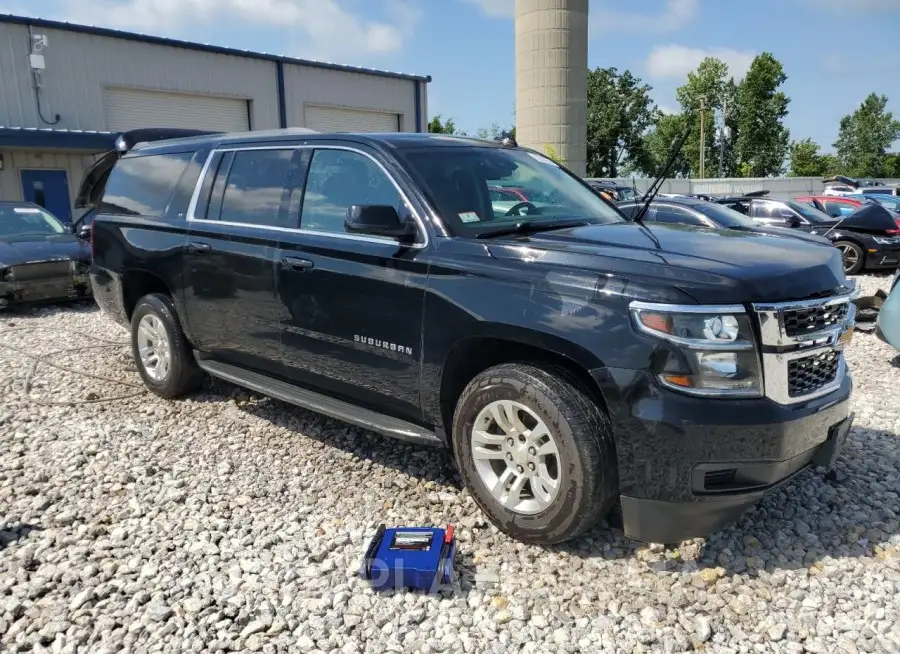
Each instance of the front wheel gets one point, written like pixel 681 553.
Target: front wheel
pixel 536 453
pixel 853 256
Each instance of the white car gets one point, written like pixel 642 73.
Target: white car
pixel 839 189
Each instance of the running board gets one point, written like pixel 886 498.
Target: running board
pixel 365 418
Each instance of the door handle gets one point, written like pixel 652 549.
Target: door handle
pixel 296 263
pixel 198 248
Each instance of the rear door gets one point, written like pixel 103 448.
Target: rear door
pixel 239 212
pixel 351 306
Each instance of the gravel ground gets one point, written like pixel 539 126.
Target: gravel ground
pixel 232 522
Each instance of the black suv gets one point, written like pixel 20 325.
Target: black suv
pixel 569 357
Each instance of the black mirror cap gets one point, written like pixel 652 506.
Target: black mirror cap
pixel 378 220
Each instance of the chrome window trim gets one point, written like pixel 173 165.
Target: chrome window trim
pixel 686 308
pixel 420 223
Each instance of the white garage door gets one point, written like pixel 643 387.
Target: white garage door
pixel 132 109
pixel 338 119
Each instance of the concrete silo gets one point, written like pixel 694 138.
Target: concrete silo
pixel 551 78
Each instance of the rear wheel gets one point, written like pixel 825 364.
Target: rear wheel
pixel 161 352
pixel 535 452
pixel 853 256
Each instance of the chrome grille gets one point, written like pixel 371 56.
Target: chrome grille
pixel 807 375
pixel 801 349
pixel 798 322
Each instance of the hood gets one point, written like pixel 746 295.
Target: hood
pixel 30 249
pixel 714 266
pixel 809 237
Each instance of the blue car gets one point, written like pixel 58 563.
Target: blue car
pixel 890 202
pixel 888 325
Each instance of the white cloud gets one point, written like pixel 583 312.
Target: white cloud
pixel 675 15
pixel 668 61
pixel 329 28
pixel 495 8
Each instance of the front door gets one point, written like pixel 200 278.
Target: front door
pixel 49 189
pixel 351 306
pixel 229 256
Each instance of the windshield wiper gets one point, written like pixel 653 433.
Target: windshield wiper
pixel 530 227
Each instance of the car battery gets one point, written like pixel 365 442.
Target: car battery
pixel 410 557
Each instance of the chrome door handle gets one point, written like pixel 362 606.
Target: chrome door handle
pixel 295 263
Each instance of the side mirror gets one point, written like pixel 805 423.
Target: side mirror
pixel 378 220
pixel 82 231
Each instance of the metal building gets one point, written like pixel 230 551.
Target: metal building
pixel 551 78
pixel 67 91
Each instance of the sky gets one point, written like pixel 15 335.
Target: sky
pixel 833 56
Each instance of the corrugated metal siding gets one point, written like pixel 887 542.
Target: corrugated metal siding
pixel 336 119
pixel 310 86
pixel 133 108
pixel 74 163
pixel 79 66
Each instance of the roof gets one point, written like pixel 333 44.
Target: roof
pixel 394 139
pixel 63 139
pixel 200 47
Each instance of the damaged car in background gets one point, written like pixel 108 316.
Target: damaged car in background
pixel 41 260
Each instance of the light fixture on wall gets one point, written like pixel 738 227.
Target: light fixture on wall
pixel 38 66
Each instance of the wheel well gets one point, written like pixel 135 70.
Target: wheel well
pixel 136 284
pixel 473 356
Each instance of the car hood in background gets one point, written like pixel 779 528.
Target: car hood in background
pixel 29 249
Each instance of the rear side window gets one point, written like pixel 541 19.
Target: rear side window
pixel 257 183
pixel 142 186
pixel 675 215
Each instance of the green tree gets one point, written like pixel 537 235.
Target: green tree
pixel 706 90
pixel 806 160
pixel 864 137
pixel 658 144
pixel 438 126
pixel 761 143
pixel 619 114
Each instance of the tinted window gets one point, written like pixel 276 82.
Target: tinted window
pixel 339 179
pixel 256 183
pixel 810 213
pixel 775 210
pixel 724 216
pixel 670 214
pixel 142 186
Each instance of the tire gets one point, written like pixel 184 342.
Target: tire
pixel 584 465
pixel 182 375
pixel 852 249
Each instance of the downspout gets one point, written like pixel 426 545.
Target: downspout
pixel 282 102
pixel 418 92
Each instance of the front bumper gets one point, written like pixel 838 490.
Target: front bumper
pixel 14 292
pixel 879 257
pixel 690 466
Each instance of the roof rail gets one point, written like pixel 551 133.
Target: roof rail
pixel 128 140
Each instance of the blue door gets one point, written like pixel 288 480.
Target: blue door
pixel 49 189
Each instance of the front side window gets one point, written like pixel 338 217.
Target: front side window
pixel 725 216
pixel 339 179
pixel 457 180
pixel 254 187
pixel 143 185
pixel 28 221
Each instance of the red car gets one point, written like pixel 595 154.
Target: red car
pixel 833 205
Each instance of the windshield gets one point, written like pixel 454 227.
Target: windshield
pixel 626 193
pixel 812 214
pixel 725 216
pixel 458 182
pixel 28 221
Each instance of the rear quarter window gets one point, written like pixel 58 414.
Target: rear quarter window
pixel 143 185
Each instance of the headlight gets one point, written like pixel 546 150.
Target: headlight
pixel 886 240
pixel 713 350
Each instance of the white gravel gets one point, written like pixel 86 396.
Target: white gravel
pixel 233 522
